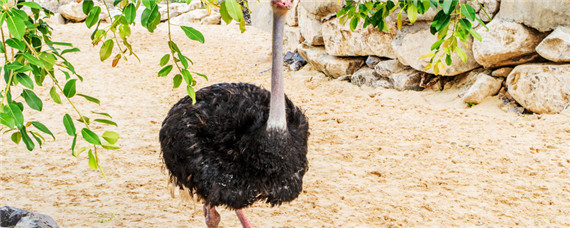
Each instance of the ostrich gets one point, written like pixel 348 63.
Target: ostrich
pixel 238 143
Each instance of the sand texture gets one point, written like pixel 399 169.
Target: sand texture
pixel 377 157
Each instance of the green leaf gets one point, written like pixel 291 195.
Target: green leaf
pixel 201 75
pixel 15 43
pixel 468 11
pixel 165 71
pixel 93 17
pixel 89 98
pixel 412 12
pixel 16 27
pixel 70 50
pixel 106 122
pixel 69 125
pixel 33 60
pixel 25 80
pixel 16 113
pixel 354 22
pixel 54 95
pixel 42 128
pixel 475 34
pixel 69 88
pixel 7 120
pixel 102 113
pixel 461 54
pixel 224 13
pixel 38 138
pixel 193 34
pixel 26 138
pixel 234 9
pixel 130 12
pixel 92 160
pixel 87 6
pixel 187 76
pixel 111 137
pixel 90 136
pixel 447 6
pixel 106 49
pixel 108 146
pixel 448 59
pixel 84 119
pixel 183 60
pixel 164 60
pixel 73 143
pixel 32 100
pixel 32 5
pixel 48 59
pixel 177 80
pixel 191 93
pixel 16 137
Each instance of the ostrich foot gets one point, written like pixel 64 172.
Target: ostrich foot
pixel 212 216
pixel 244 222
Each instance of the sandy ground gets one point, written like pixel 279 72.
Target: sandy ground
pixel 377 157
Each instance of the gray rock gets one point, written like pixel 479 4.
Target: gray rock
pixel 415 40
pixel 407 80
pixel 533 13
pixel 340 40
pixel 506 43
pixel 18 218
pixel 482 88
pixel 388 67
pixel 556 46
pixel 332 66
pixel 371 61
pixel 541 88
pixel 367 77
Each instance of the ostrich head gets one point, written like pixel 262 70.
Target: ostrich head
pixel 281 6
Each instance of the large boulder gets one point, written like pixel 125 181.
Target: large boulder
pixel 556 46
pixel 310 27
pixel 541 88
pixel 18 218
pixel 506 43
pixel 543 15
pixel 414 41
pixel 321 8
pixel 332 66
pixel 291 38
pixel 340 40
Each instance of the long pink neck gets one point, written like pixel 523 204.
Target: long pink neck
pixel 277 115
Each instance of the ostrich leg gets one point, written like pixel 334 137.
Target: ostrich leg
pixel 212 216
pixel 244 222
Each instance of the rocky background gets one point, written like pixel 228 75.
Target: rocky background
pixel 524 57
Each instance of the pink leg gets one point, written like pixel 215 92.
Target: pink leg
pixel 212 216
pixel 244 222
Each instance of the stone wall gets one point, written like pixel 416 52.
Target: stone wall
pixel 524 57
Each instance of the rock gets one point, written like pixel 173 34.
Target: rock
pixel 414 41
pixel 291 38
pixel 52 5
pixel 58 19
pixel 321 8
pixel 407 80
pixel 532 13
pixel 340 40
pixel 506 43
pixel 73 11
pixel 556 46
pixel 367 77
pixel 215 18
pixel 190 17
pixel 491 8
pixel 389 67
pixel 293 15
pixel 176 9
pixel 427 16
pixel 483 87
pixel 372 61
pixel 18 218
pixel 541 88
pixel 502 72
pixel 310 28
pixel 261 15
pixel 332 66
pixel 294 61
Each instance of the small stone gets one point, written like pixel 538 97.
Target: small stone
pixel 502 72
pixel 367 77
pixel 406 80
pixel 73 12
pixel 371 61
pixel 483 87
pixel 388 67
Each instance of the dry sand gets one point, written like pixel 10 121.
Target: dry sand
pixel 377 157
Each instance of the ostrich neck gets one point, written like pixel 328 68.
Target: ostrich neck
pixel 277 115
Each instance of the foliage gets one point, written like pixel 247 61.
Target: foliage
pixel 31 57
pixel 452 24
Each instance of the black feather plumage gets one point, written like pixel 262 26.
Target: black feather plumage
pixel 220 148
